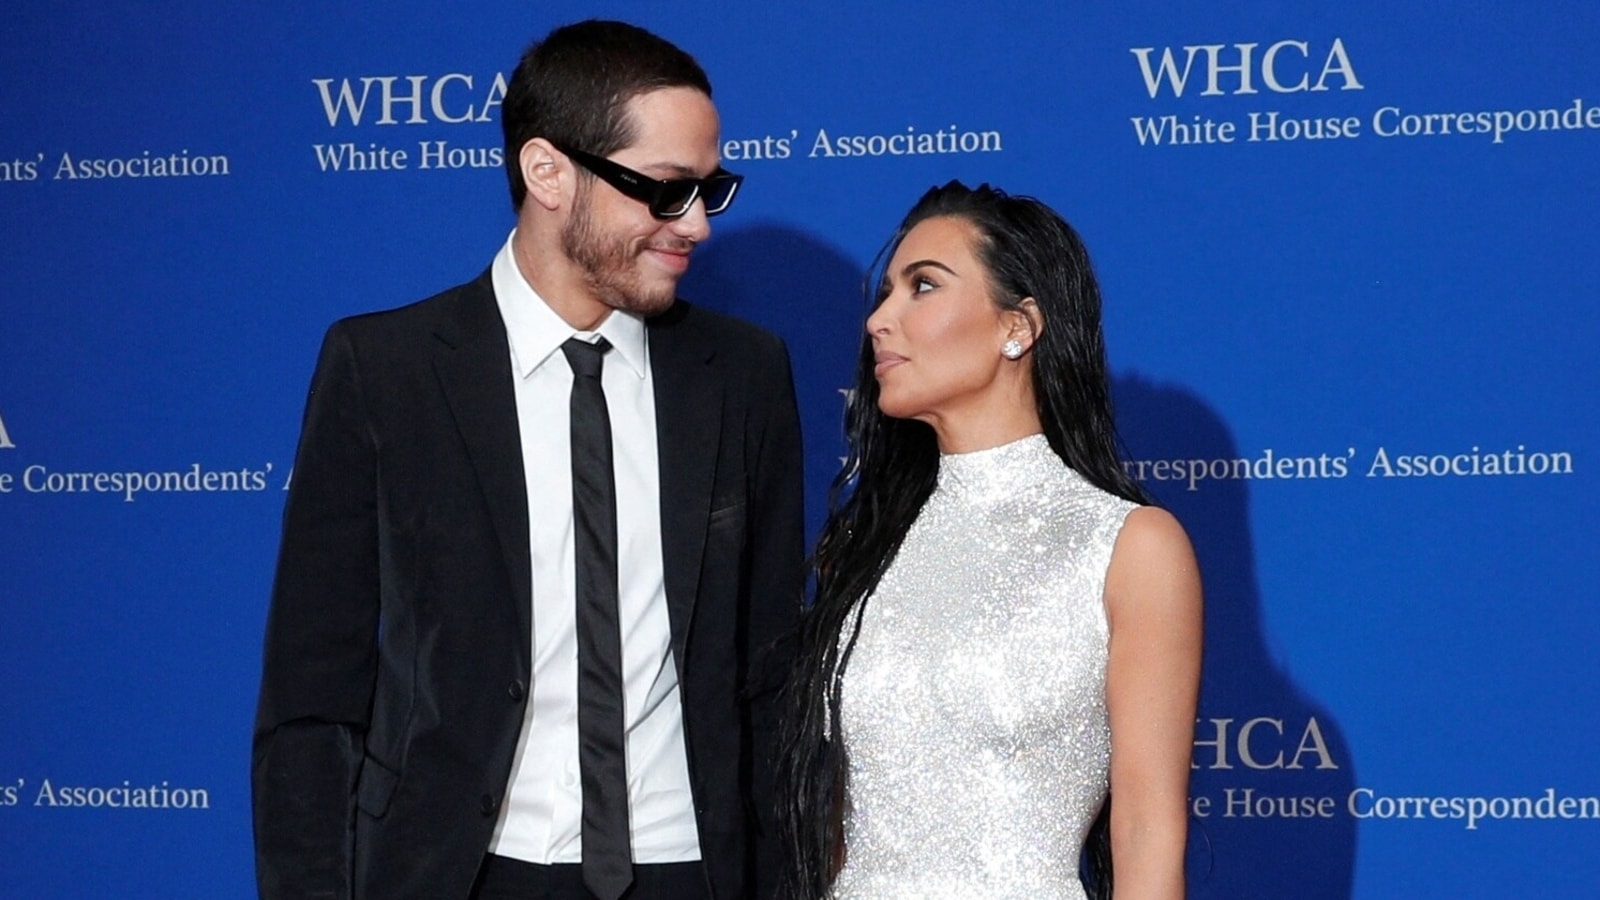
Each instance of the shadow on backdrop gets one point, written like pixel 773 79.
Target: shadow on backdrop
pixel 808 292
pixel 1263 747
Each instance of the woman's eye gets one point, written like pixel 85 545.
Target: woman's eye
pixel 921 283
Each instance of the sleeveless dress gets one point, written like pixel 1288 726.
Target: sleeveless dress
pixel 973 712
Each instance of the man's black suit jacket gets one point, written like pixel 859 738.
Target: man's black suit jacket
pixel 397 669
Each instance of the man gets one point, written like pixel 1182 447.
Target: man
pixel 499 490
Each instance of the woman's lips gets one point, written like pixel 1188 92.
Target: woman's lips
pixel 883 362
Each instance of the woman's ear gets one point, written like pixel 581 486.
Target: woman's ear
pixel 1026 323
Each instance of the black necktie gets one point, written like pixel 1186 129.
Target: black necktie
pixel 602 761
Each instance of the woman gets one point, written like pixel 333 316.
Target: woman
pixel 1001 629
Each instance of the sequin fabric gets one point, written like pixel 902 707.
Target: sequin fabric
pixel 973 708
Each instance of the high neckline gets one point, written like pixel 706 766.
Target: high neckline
pixel 997 473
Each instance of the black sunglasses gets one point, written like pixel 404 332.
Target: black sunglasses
pixel 668 199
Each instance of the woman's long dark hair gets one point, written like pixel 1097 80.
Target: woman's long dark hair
pixel 1029 251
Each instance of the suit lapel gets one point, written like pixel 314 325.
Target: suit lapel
pixel 473 364
pixel 688 422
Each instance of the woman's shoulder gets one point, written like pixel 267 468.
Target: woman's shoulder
pixel 1151 529
pixel 1152 559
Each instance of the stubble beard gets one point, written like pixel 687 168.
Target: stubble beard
pixel 610 267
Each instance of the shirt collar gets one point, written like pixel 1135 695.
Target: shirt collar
pixel 535 332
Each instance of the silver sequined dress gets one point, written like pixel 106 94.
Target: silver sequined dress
pixel 973 707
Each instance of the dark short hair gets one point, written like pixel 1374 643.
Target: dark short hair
pixel 572 89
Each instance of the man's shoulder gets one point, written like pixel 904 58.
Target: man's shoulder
pixel 724 331
pixel 461 304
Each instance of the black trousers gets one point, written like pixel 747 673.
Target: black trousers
pixel 503 878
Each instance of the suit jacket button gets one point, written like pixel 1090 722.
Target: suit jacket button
pixel 488 803
pixel 517 690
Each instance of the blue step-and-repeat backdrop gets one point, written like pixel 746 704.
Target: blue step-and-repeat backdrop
pixel 1351 265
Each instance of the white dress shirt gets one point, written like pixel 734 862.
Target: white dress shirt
pixel 540 820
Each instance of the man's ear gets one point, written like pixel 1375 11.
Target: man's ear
pixel 546 173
